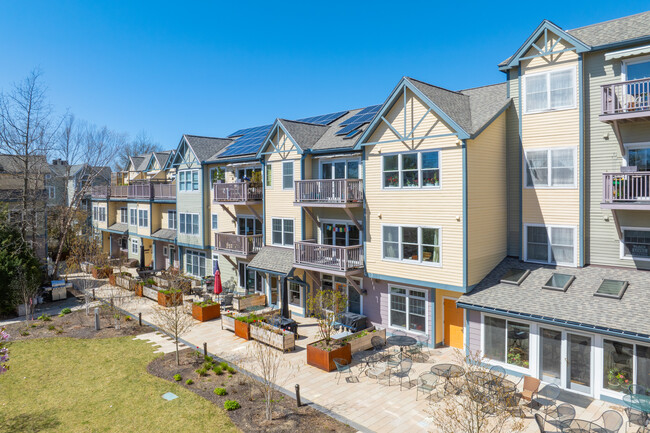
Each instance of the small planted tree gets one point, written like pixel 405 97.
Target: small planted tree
pixel 326 305
pixel 26 286
pixel 175 319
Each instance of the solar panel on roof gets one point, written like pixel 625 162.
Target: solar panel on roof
pixel 324 119
pixel 363 116
pixel 352 134
pixel 249 141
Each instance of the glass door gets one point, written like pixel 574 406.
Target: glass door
pixel 578 363
pixel 274 283
pixel 551 356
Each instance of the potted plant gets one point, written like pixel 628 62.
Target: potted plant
pixel 218 175
pixel 170 297
pixel 100 272
pixel 326 305
pixel 516 356
pixel 139 286
pixel 243 324
pixel 111 278
pixel 206 310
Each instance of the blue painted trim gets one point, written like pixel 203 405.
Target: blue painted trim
pixel 427 284
pixel 153 255
pixel 581 146
pixel 520 180
pixel 396 93
pixel 302 211
pixel 266 142
pixel 335 150
pixel 193 246
pixel 397 140
pixel 614 400
pixel 621 43
pixel 113 231
pixel 434 326
pixel 465 214
pixel 264 200
pixel 557 322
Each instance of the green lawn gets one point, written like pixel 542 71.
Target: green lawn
pixel 70 385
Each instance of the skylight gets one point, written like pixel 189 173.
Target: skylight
pixel 515 276
pixel 612 289
pixel 559 282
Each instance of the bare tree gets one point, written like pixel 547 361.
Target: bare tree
pixel 175 320
pixel 142 143
pixel 473 408
pixel 26 287
pixel 27 127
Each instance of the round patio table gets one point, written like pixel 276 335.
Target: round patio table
pixel 401 340
pixel 365 358
pixel 448 372
pixel 481 378
pixel 639 402
pixel 580 426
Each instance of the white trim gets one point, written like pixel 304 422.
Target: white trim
pixel 212 216
pixel 627 53
pixel 334 222
pixel 622 255
pixel 294 232
pixel 548 226
pixel 407 296
pixel 624 64
pixel 334 160
pixel 505 364
pixel 549 168
pixel 293 174
pixel 419 170
pixel 548 73
pixel 399 244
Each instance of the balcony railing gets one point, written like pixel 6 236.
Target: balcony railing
pixel 631 188
pixel 328 257
pixel 626 99
pixel 119 191
pixel 100 191
pixel 329 191
pixel 164 191
pixel 243 245
pixel 237 192
pixel 140 191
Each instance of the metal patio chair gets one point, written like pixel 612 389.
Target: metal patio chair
pixel 612 421
pixel 561 414
pixel 342 367
pixel 377 370
pixel 403 370
pixel 427 383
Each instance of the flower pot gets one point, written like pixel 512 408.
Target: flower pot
pixel 170 299
pixel 242 329
pixel 324 359
pixel 209 312
pixel 111 279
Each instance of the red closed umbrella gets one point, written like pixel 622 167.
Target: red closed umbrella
pixel 217 279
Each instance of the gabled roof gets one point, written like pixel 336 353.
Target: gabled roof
pixel 485 103
pixel 136 161
pixel 617 31
pixel 304 134
pixel 204 148
pixel 163 156
pixel 15 164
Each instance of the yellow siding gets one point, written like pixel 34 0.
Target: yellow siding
pixel 424 207
pixel 539 64
pixel 145 231
pixel 487 201
pixel 159 219
pixel 551 206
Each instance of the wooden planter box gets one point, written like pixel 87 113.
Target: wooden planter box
pixel 169 300
pixel 138 290
pixel 161 282
pixel 203 314
pixel 124 282
pixel 324 359
pixel 283 341
pixel 244 302
pixel 364 343
pixel 228 322
pixel 242 330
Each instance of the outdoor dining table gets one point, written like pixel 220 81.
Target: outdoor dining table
pixel 482 378
pixel 640 402
pixel 401 340
pixel 580 426
pixel 448 372
pixel 367 357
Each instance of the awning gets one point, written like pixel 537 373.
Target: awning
pixel 338 155
pixel 628 53
pixel 166 234
pixel 274 260
pixel 119 228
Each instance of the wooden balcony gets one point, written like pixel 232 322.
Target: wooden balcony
pixel 243 193
pixel 627 101
pixel 243 246
pixel 331 259
pixel 629 191
pixel 101 192
pixel 329 192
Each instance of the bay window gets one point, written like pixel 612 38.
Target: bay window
pixel 553 90
pixel 411 244
pixel 411 170
pixel 408 309
pixel 506 341
pixel 550 167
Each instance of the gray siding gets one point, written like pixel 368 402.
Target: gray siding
pixel 193 202
pixel 474 331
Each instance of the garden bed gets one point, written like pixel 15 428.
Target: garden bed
pixel 169 298
pixel 204 311
pixel 240 303
pixel 361 340
pixel 273 336
pixel 321 356
pixel 250 417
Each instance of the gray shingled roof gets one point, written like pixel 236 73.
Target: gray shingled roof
pixel 162 157
pixel 305 134
pixel 331 141
pixel 119 227
pixel 454 104
pixel 485 102
pixel 273 259
pixel 618 30
pixel 137 162
pixel 578 304
pixel 169 234
pixel 207 148
pixel 15 164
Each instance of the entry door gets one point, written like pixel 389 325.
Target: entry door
pixel 453 324
pixel 578 363
pixel 551 356
pixel 171 253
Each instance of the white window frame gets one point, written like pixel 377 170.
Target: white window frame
pixel 335 160
pixel 598 341
pixel 548 226
pixel 549 168
pixel 214 218
pixel 124 212
pixel 183 184
pixel 135 246
pixel 626 62
pixel 189 254
pixel 284 163
pixel 164 251
pixel 408 308
pixel 215 258
pixel 332 278
pixel 170 219
pixel 102 213
pixel 400 245
pixel 633 146
pixel 533 345
pixel 339 222
pixel 283 232
pixel 184 215
pixel 51 192
pixel 548 90
pixel 143 218
pixel 268 170
pixel 246 217
pixel 419 170
pixel 133 216
pixel 622 244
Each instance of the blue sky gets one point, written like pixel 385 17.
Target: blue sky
pixel 208 68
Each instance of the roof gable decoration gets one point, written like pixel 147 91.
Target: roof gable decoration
pixel 280 147
pixel 184 154
pixel 400 93
pixel 153 163
pixel 547 49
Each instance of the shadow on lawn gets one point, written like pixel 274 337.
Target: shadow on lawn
pixel 28 422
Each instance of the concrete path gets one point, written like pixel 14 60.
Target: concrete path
pixel 162 342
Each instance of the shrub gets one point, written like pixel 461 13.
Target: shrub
pixel 223 365
pixel 45 317
pixel 220 391
pixel 218 370
pixel 24 333
pixel 206 303
pixel 150 282
pixel 177 377
pixel 66 311
pixel 189 382
pixel 207 365
pixel 202 372
pixel 251 318
pixel 231 370
pixel 51 327
pixel 231 405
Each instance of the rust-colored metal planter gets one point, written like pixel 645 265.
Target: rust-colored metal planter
pixel 242 329
pixel 324 359
pixel 170 300
pixel 209 312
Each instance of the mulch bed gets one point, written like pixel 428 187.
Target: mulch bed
pixel 250 417
pixel 76 325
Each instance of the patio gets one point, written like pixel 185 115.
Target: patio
pixel 365 404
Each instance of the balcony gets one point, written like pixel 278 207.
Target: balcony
pixel 101 192
pixel 119 191
pixel 238 193
pixel 627 100
pixel 164 191
pixel 140 191
pixel 243 246
pixel 336 260
pixel 626 190
pixel 329 193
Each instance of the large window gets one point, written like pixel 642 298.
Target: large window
pixel 638 156
pixel 247 226
pixel 282 233
pixel 133 216
pixel 551 168
pixel 636 244
pixel 134 245
pixel 171 219
pixel 408 309
pixel 506 341
pixel 294 294
pixel 550 244
pixel 215 221
pixel 143 218
pixel 195 263
pixel 340 169
pixel 287 175
pixel 411 244
pixel 124 215
pixel 553 90
pixel 411 170
pixel 99 213
pixel 619 367
pixel 189 223
pixel 188 180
